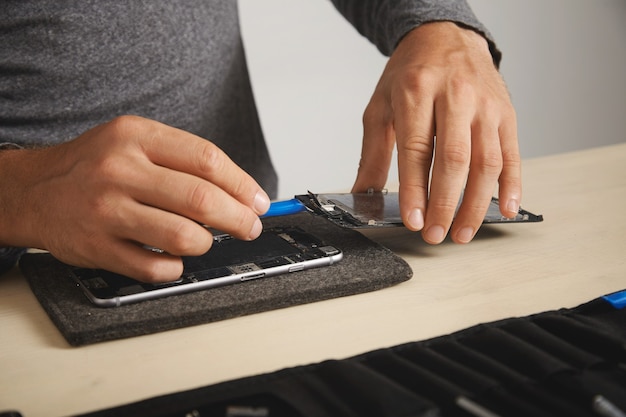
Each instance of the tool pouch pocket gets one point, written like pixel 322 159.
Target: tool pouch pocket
pixel 567 362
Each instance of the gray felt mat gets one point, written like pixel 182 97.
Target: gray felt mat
pixel 366 266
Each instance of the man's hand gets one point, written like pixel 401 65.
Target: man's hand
pixel 441 82
pixel 95 201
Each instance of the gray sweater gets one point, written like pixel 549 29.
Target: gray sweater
pixel 68 65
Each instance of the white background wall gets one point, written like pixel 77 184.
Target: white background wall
pixel 313 74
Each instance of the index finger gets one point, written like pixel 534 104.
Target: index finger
pixel 182 151
pixel 414 126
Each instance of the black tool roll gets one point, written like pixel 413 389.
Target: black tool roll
pixel 569 362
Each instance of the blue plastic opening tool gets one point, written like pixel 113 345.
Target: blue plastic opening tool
pixel 283 208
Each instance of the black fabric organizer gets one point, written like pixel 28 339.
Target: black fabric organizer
pixel 570 362
pixel 366 266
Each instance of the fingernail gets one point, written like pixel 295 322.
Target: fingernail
pixel 465 234
pixel 261 202
pixel 512 205
pixel 416 219
pixel 256 230
pixel 435 234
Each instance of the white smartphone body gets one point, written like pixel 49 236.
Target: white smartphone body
pixel 276 251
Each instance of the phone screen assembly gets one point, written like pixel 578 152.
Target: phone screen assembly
pixel 276 251
pixel 382 209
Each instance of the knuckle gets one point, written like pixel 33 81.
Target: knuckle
pixel 181 239
pixel 104 209
pixel 101 189
pixel 109 168
pixel 199 198
pixel 510 179
pixel 411 87
pixel 509 113
pixel 210 158
pixel 442 205
pixel 240 189
pixel 490 107
pixel 475 207
pixel 488 163
pixel 153 272
pixel 100 201
pixel 455 154
pixel 461 87
pixel 514 185
pixel 511 159
pixel 373 113
pixel 419 79
pixel 417 148
pixel 150 272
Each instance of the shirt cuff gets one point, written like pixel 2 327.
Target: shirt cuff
pixel 10 145
pixel 9 257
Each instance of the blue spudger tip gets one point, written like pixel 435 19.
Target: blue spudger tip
pixel 283 208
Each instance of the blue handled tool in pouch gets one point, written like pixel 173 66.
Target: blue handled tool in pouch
pixel 616 299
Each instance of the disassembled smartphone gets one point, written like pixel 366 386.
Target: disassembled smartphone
pixel 276 251
pixel 382 209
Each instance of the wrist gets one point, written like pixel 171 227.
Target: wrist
pixel 447 35
pixel 17 177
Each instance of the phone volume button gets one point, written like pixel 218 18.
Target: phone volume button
pixel 253 276
pixel 296 268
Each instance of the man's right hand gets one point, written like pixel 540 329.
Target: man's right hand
pixel 97 200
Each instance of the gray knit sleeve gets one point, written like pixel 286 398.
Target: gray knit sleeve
pixel 385 22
